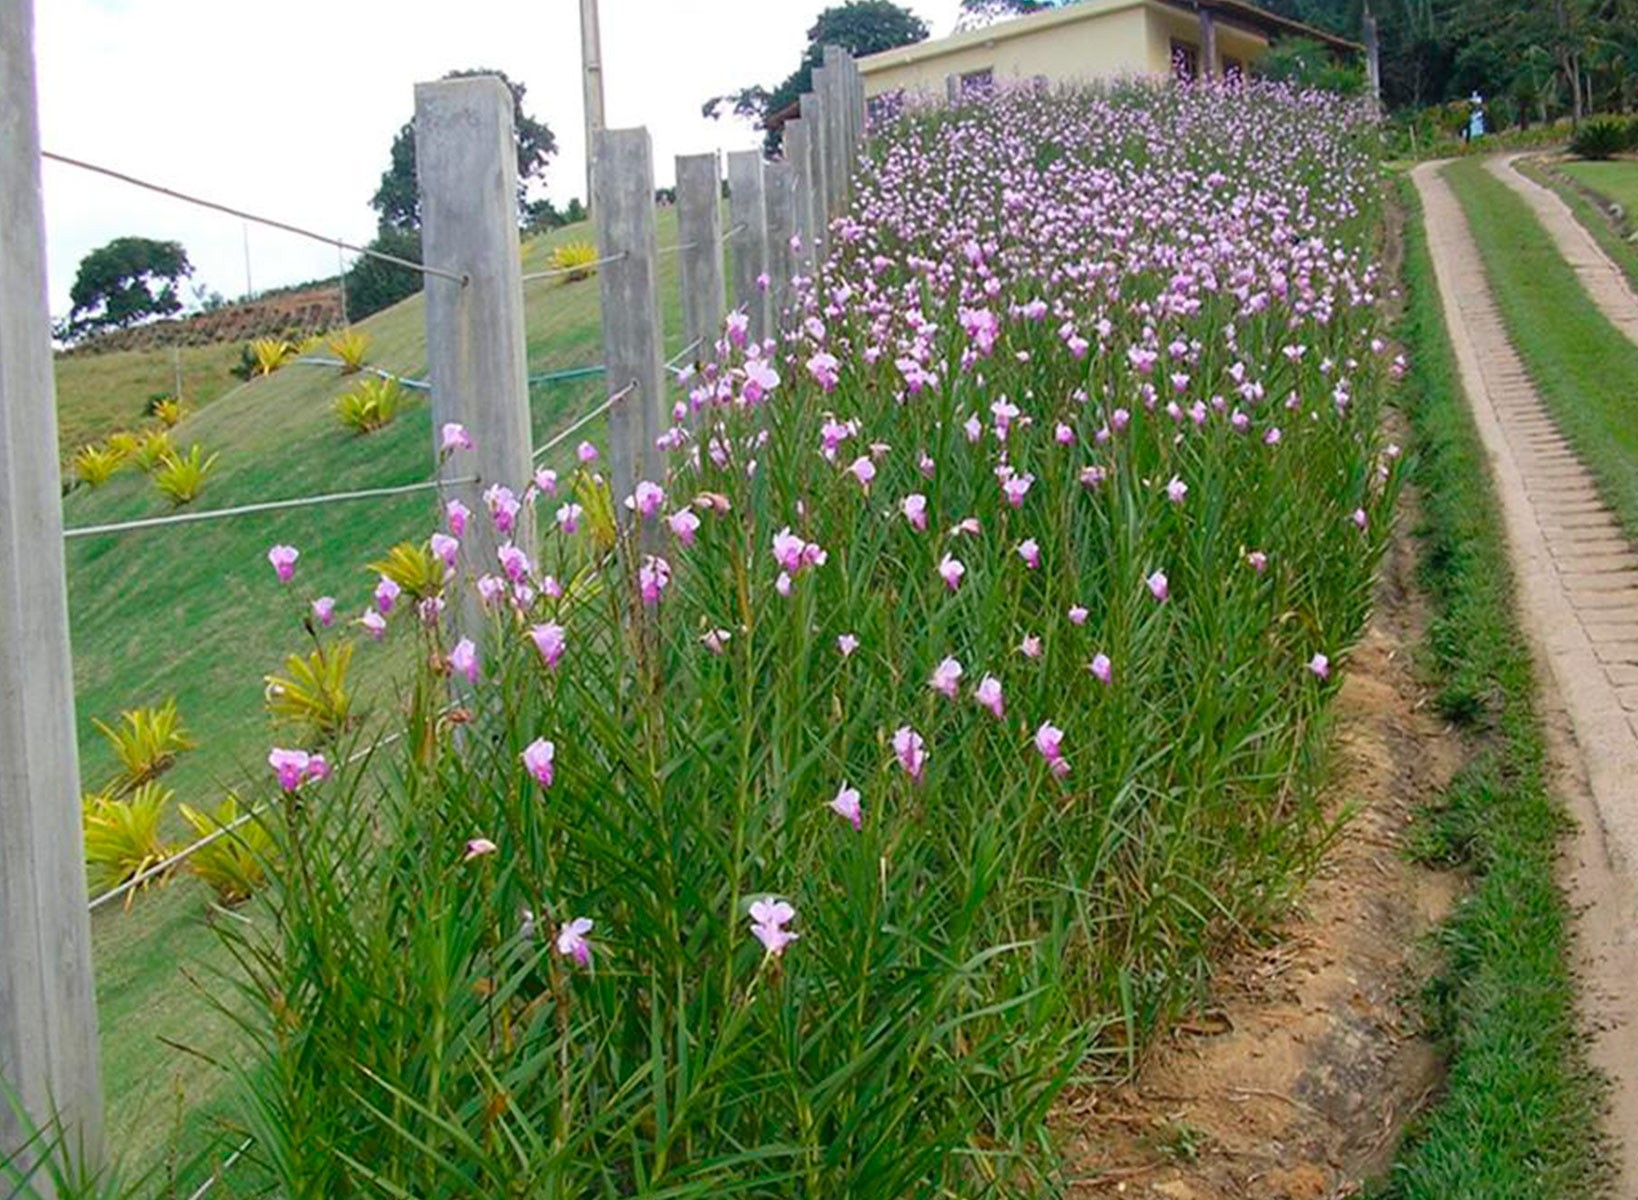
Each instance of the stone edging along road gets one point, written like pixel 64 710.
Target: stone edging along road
pixel 1576 578
pixel 1600 278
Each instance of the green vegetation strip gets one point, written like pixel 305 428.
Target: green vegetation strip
pixel 1584 368
pixel 1619 184
pixel 1520 1115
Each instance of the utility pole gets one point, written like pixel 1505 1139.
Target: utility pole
pixel 591 67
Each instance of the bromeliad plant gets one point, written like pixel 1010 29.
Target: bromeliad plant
pixel 146 742
pixel 181 477
pixel 95 465
pixel 351 347
pixel 123 837
pixel 914 741
pixel 271 353
pixel 233 863
pixel 370 404
pixel 578 259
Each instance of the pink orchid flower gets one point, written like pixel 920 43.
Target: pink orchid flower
pixel 684 525
pixel 1030 551
pixel 1049 741
pixel 324 610
pixel 284 559
pixel 769 918
pixel 951 570
pixel 647 498
pixel 290 766
pixel 914 507
pixel 446 548
pixel 455 437
pixel 988 693
pixel 538 758
pixel 456 514
pixel 571 940
pixel 586 453
pixel 1078 615
pixel 550 640
pixel 1102 669
pixel 1159 586
pixel 653 577
pixel 846 804
pixel 847 644
pixel 478 847
pixel 911 751
pixel 464 659
pixel 946 678
pixel 1320 665
pixel 374 624
pixel 386 595
pixel 568 517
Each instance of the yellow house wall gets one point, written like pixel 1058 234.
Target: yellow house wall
pixel 1098 47
pixel 1165 23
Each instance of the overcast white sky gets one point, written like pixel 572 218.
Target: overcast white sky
pixel 289 110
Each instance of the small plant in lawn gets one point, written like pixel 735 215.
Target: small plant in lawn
pixel 146 742
pixel 415 569
pixel 1602 138
pixel 312 694
pixel 122 836
pixel 233 863
pixel 576 258
pixel 124 443
pixel 152 449
pixel 370 404
pixel 167 411
pixel 351 347
pixel 181 477
pixel 272 353
pixel 95 465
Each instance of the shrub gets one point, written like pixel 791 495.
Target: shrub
pixel 576 258
pixel 370 404
pixel 312 695
pixel 272 353
pixel 152 449
pixel 232 864
pixel 350 346
pixel 146 742
pixel 95 465
pixel 1601 138
pixel 181 477
pixel 122 837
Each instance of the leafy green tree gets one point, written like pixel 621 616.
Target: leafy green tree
pixel 397 201
pixel 991 10
pixel 860 27
pixel 131 279
pixel 373 285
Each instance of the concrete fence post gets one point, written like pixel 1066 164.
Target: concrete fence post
pixel 856 105
pixel 952 88
pixel 623 184
pixel 833 104
pixel 48 1007
pixel 466 159
pixel 699 262
pixel 799 155
pixel 818 191
pixel 778 182
pixel 748 247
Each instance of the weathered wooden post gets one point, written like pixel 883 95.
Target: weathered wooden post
pixel 798 154
pixel 48 1006
pixel 781 199
pixel 818 193
pixel 748 247
pixel 856 94
pixel 1208 44
pixel 699 262
pixel 952 88
pixel 466 158
pixel 629 286
pixel 1373 58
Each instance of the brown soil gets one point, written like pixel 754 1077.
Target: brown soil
pixel 1294 1081
pixel 282 314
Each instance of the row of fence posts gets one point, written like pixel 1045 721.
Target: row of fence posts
pixel 779 216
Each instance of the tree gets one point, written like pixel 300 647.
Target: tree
pixel 131 279
pixel 397 201
pixel 373 284
pixel 982 12
pixel 860 27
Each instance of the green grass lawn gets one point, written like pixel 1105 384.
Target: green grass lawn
pixel 99 394
pixel 193 612
pixel 1585 369
pixel 1619 183
pixel 1519 1117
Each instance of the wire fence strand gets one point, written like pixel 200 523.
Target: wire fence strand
pixel 327 239
pixel 263 506
pixel 554 272
pixel 591 416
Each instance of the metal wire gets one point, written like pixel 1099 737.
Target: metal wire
pixel 740 228
pixel 674 249
pixel 566 374
pixel 556 271
pixel 671 364
pixel 160 868
pixel 222 1170
pixel 247 216
pixel 420 385
pixel 264 506
pixel 602 408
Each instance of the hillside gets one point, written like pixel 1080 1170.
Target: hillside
pixel 191 612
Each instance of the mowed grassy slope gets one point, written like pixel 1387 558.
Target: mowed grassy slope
pixel 101 393
pixel 1617 179
pixel 193 612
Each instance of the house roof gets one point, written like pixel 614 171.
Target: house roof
pixel 1236 12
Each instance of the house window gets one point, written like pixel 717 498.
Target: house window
pixel 1185 59
pixel 977 82
pixel 1233 68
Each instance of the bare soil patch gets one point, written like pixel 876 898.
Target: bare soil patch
pixel 1294 1080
